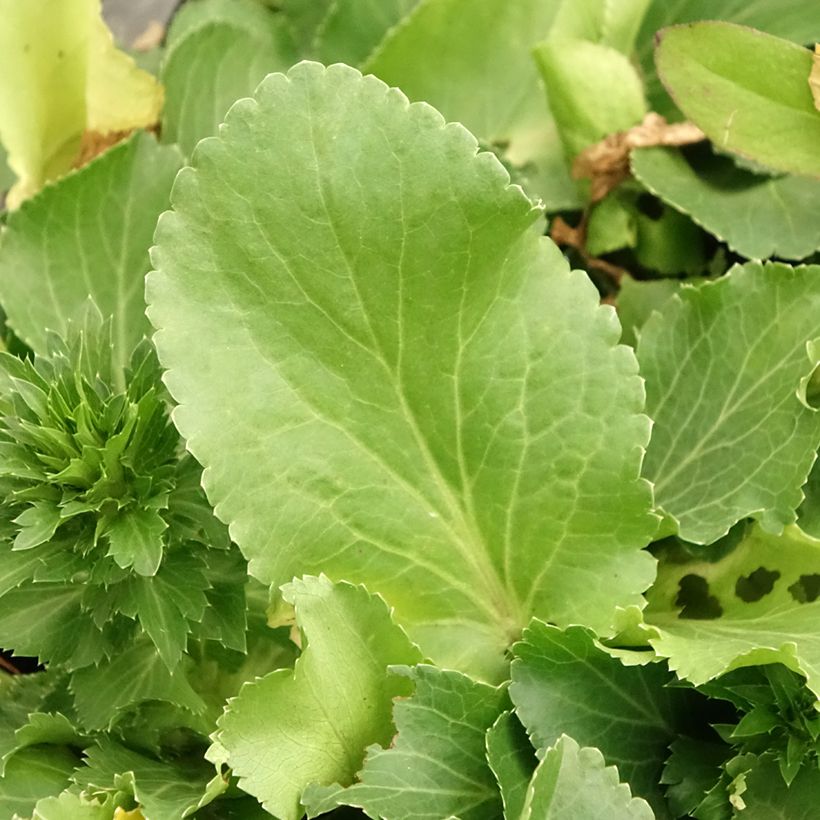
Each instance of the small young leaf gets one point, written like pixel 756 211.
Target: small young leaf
pixel 320 717
pixel 136 540
pixel 747 90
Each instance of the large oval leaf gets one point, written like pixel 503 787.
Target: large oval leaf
pixel 390 377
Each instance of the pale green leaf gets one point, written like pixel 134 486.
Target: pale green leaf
pixel 32 774
pixel 512 760
pixel 134 676
pixel 312 725
pixel 473 62
pixel 601 21
pixel 732 438
pixel 563 683
pixel 593 91
pixel 61 74
pixel 611 225
pixel 748 91
pixel 573 783
pixel 783 18
pixel 756 605
pixel 88 235
pixel 219 57
pixel 136 540
pixel 70 806
pixel 757 216
pixel 163 790
pixel 436 766
pixel 394 381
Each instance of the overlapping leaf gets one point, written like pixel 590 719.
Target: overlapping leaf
pixel 311 725
pixel 436 403
pixel 757 605
pixel 732 437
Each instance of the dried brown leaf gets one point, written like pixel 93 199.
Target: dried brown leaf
pixel 814 76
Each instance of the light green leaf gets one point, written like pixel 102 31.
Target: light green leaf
pixel 593 91
pixel 34 773
pixel 436 765
pixel 320 717
pixel 600 21
pixel 783 18
pixel 732 439
pixel 757 216
pixel 61 74
pixel 756 605
pixel 136 540
pixel 506 107
pixel 394 380
pixel 163 790
pixel 512 760
pixel 611 225
pixel 219 57
pixel 563 683
pixel 572 783
pixel 135 676
pixel 70 806
pixel 808 515
pixel 88 235
pixel 748 91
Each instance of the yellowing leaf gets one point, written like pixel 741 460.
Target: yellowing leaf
pixel 60 75
pixel 814 76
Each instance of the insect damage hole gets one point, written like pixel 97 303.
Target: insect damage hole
pixel 695 601
pixel 756 585
pixel 806 588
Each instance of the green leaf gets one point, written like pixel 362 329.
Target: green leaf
pixel 135 676
pixel 212 61
pixel 757 216
pixel 638 300
pixel 320 716
pixel 34 773
pixel 512 760
pixel 436 765
pixel 563 683
pixel 162 620
pixel 593 91
pixel 732 438
pixel 746 90
pixel 506 108
pixel 572 783
pixel 163 790
pixel 692 770
pixel 352 29
pixel 88 235
pixel 37 524
pixel 600 21
pixel 783 18
pixel 445 469
pixel 136 540
pixel 756 605
pixel 767 797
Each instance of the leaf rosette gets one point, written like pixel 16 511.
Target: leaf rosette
pixel 102 517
